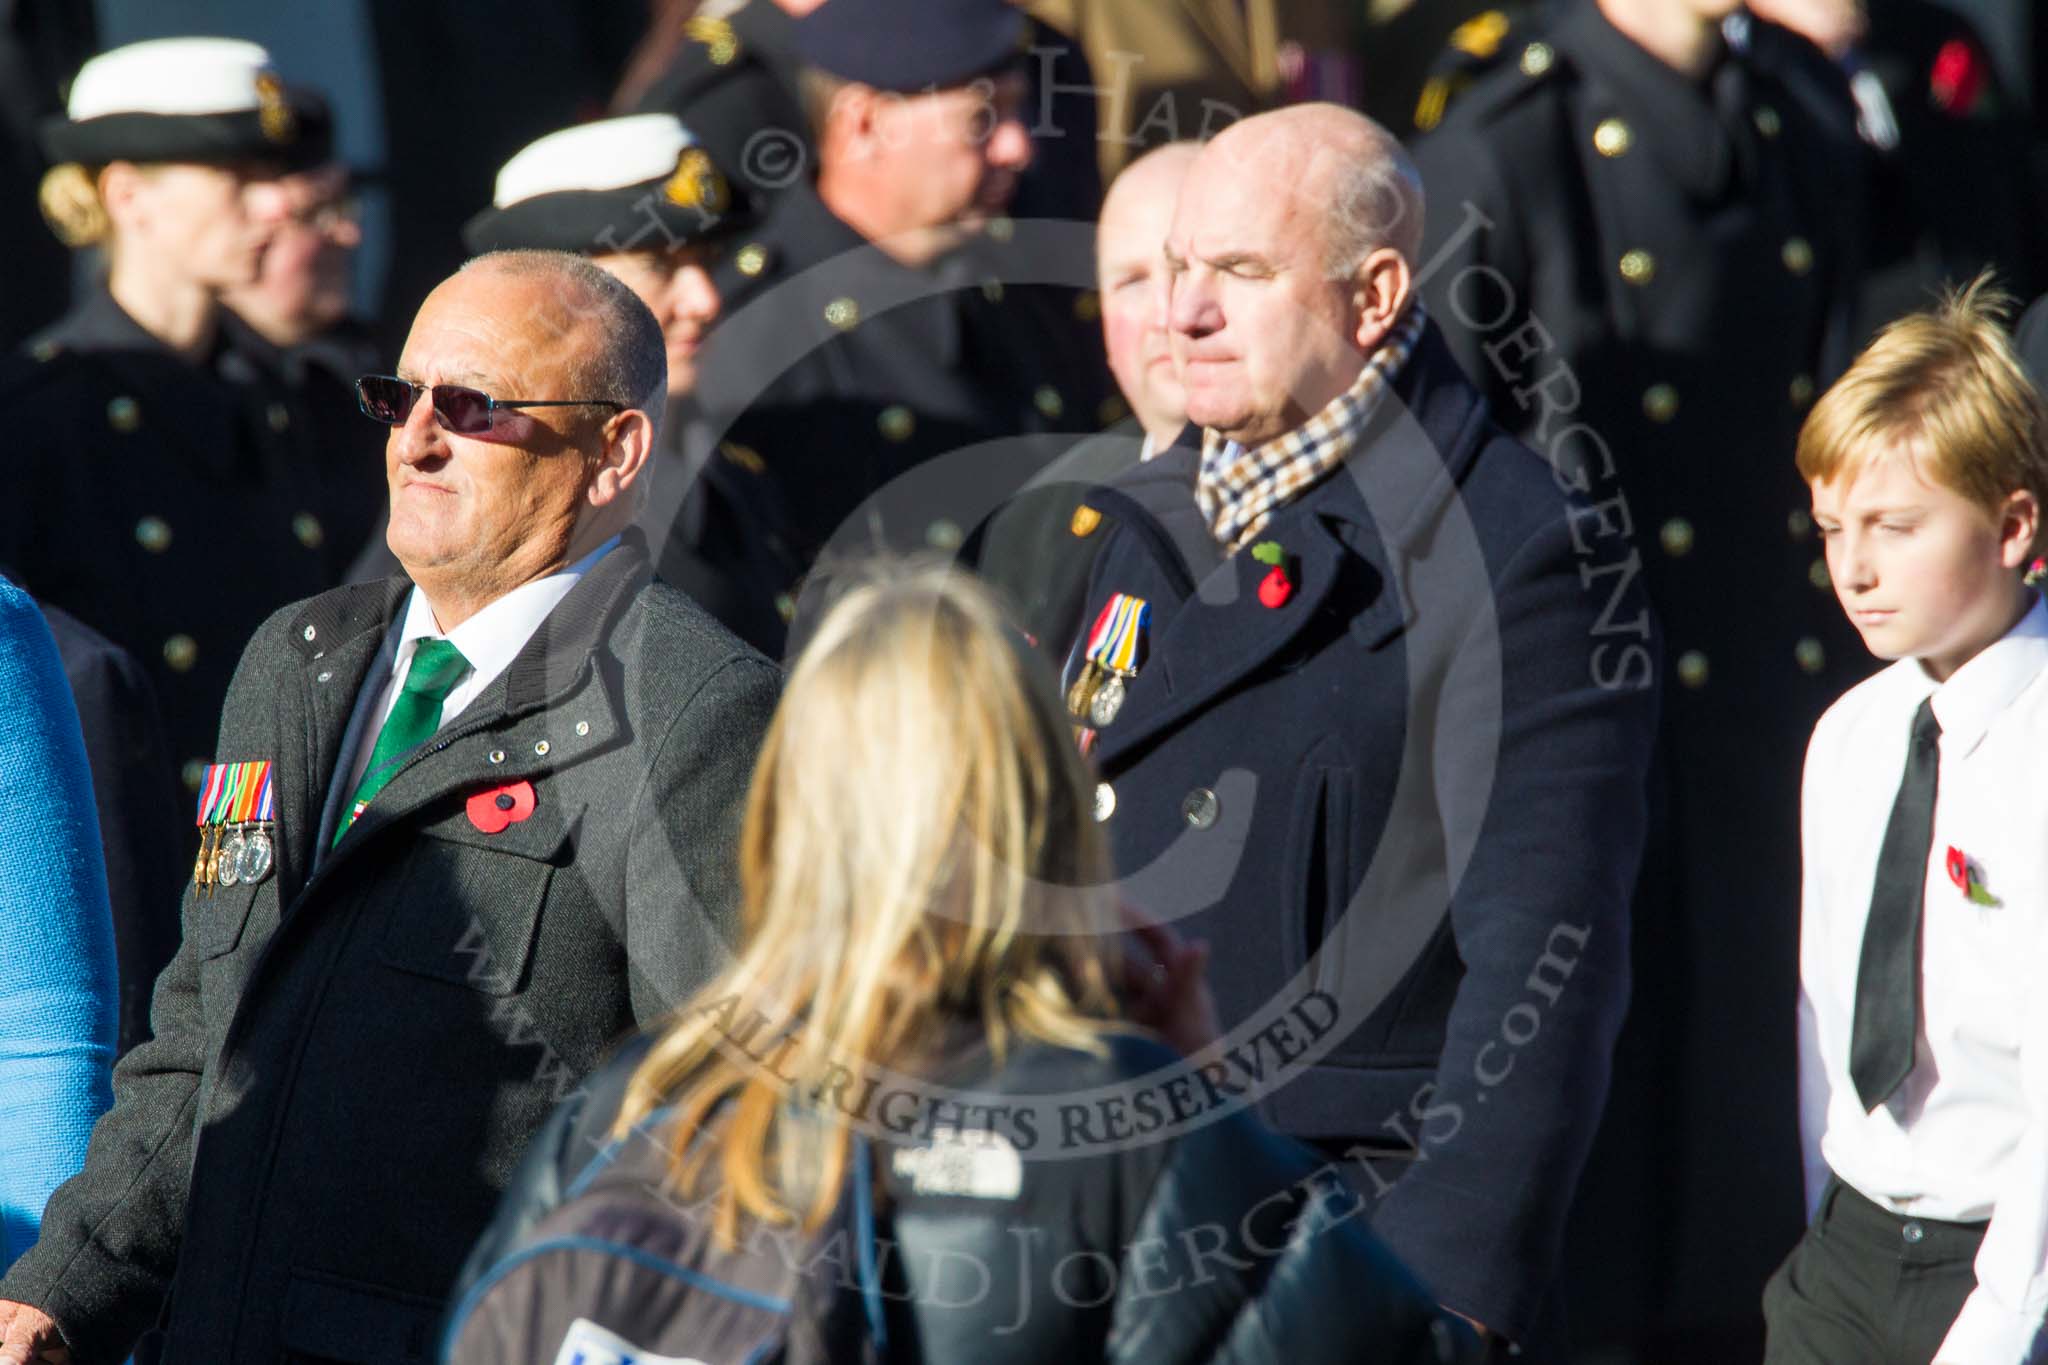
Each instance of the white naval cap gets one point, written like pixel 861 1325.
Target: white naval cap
pixel 171 76
pixel 616 184
pixel 184 99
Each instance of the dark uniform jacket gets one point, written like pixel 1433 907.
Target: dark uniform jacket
pixel 1652 279
pixel 351 1054
pixel 1414 785
pixel 169 506
pixel 1292 1275
pixel 850 370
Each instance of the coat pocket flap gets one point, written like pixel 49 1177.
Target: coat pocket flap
pixel 342 1320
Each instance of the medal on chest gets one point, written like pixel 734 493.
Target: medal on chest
pixel 1115 650
pixel 237 826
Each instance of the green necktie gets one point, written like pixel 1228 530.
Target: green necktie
pixel 436 667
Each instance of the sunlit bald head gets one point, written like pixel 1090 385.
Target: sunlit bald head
pixel 1130 270
pixel 1291 257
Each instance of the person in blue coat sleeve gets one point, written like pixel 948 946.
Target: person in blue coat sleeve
pixel 57 987
pixel 1370 688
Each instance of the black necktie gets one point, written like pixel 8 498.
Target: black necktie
pixel 1888 977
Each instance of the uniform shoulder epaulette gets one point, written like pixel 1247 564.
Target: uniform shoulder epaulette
pixel 1493 55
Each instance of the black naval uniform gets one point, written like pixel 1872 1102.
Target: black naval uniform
pixel 1651 279
pixel 162 503
pixel 853 370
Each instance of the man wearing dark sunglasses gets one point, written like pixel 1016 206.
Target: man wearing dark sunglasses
pixel 465 827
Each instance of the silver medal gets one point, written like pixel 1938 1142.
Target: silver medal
pixel 252 864
pixel 1108 700
pixel 228 862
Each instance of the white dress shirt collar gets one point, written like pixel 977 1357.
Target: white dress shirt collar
pixel 493 637
pixel 1975 693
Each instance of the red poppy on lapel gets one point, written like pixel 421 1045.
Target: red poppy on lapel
pixel 1959 76
pixel 1969 878
pixel 1275 588
pixel 492 809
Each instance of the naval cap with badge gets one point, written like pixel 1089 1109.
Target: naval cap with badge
pixel 212 100
pixel 640 182
pixel 910 46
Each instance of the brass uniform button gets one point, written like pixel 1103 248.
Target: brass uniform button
pixel 1200 809
pixel 307 528
pixel 1536 59
pixel 1612 138
pixel 992 290
pixel 944 535
pixel 124 414
pixel 1797 255
pixel 1817 574
pixel 1767 121
pixel 192 773
pixel 279 417
pixel 720 41
pixel 751 260
pixel 44 351
pixel 1801 390
pixel 1810 656
pixel 1105 802
pixel 1048 402
pixel 1660 403
pixel 1638 267
pixel 1088 305
pixel 746 457
pixel 1002 228
pixel 181 652
pixel 1677 537
pixel 785 607
pixel 1799 523
pixel 1692 669
pixel 896 423
pixel 153 534
pixel 843 313
pixel 1112 410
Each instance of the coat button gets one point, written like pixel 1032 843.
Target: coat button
pixel 751 260
pixel 44 351
pixel 1692 669
pixel 1800 391
pixel 582 727
pixel 497 755
pixel 1676 536
pixel 1200 808
pixel 843 313
pixel 1088 306
pixel 124 414
pixel 307 528
pixel 1797 254
pixel 1612 137
pixel 1048 402
pixel 1767 121
pixel 1817 574
pixel 1105 801
pixel 992 290
pixel 1914 1231
pixel 1799 523
pixel 1111 411
pixel 1536 59
pixel 181 652
pixel 192 773
pixel 1660 402
pixel 944 534
pixel 279 417
pixel 896 423
pixel 307 634
pixel 1002 228
pixel 1809 654
pixel 1638 267
pixel 540 748
pixel 153 534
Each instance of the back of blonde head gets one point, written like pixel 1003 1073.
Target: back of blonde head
pixel 918 849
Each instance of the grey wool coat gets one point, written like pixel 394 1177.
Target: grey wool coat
pixel 351 1054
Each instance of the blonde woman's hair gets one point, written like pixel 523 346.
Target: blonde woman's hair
pixel 919 850
pixel 69 197
pixel 1947 386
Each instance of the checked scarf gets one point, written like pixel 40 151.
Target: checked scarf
pixel 1239 490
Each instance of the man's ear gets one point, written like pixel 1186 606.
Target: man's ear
pixel 851 121
pixel 2018 527
pixel 1379 294
pixel 628 448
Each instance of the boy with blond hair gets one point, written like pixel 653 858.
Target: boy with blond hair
pixel 1923 1014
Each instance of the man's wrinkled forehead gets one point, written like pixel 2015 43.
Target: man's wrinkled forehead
pixel 1232 205
pixel 489 326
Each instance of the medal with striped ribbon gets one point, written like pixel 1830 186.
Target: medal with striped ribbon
pixel 237 822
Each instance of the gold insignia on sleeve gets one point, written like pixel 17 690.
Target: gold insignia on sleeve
pixel 746 457
pixel 273 113
pixel 1481 35
pixel 1086 519
pixel 716 36
pixel 697 183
